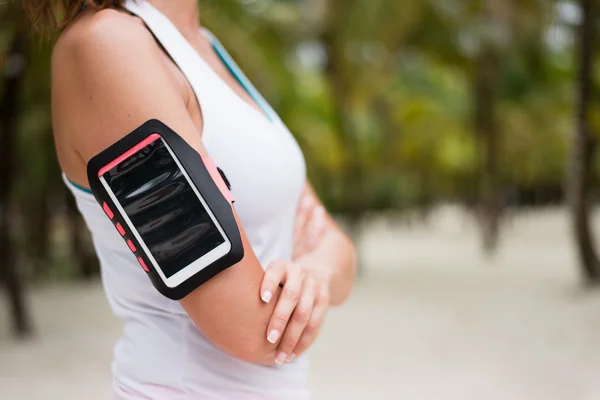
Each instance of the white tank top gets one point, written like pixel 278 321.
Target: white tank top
pixel 161 354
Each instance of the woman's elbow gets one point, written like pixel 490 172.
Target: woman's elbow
pixel 249 346
pixel 255 352
pixel 239 329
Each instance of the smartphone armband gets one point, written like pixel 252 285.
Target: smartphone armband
pixel 172 206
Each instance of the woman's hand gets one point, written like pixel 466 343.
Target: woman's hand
pixel 300 309
pixel 310 225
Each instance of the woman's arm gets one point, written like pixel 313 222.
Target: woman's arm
pixel 335 254
pixel 109 77
pixel 322 275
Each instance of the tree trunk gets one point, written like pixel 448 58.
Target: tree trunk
pixel 11 278
pixel 39 218
pixel 38 213
pixel 36 216
pixel 85 261
pixel 486 127
pixel 584 148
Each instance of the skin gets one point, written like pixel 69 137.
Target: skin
pixel 109 76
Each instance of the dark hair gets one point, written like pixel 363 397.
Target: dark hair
pixel 48 15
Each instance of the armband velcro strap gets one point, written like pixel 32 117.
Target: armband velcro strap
pixel 219 178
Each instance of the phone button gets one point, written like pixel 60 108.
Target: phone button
pixel 120 229
pixel 131 245
pixel 108 211
pixel 143 264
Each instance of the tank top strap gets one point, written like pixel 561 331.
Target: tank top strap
pixel 198 73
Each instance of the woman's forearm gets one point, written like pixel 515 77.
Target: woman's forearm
pixel 334 256
pixel 333 253
pixel 313 282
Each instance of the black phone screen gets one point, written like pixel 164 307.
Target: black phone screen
pixel 161 204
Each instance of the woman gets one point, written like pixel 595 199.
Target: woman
pixel 119 63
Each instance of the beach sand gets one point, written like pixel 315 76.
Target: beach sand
pixel 430 319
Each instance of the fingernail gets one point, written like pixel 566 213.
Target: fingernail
pixel 281 357
pixel 273 336
pixel 291 357
pixel 266 296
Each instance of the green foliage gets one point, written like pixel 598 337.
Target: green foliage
pixel 379 93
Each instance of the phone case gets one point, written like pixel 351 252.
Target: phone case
pixel 203 173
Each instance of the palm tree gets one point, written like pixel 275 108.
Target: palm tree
pixel 584 149
pixel 9 103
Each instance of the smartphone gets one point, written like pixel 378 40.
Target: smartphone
pixel 170 205
pixel 164 211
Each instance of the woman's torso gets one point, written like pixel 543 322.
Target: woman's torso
pixel 161 354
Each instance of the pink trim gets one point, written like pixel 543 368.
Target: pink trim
pixel 143 264
pixel 216 176
pixel 131 246
pixel 108 211
pixel 120 229
pixel 128 153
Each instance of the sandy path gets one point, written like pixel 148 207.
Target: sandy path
pixel 431 320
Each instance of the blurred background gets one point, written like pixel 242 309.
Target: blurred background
pixel 456 142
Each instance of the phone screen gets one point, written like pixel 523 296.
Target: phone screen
pixel 163 207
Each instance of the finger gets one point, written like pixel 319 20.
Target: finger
pixel 288 299
pixel 312 328
pixel 300 318
pixel 316 227
pixel 304 209
pixel 302 216
pixel 300 249
pixel 274 275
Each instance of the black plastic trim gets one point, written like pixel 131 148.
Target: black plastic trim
pixel 193 165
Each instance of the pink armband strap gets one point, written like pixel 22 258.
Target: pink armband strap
pixel 216 176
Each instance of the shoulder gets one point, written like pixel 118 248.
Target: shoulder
pixel 107 37
pixel 109 75
pixel 106 58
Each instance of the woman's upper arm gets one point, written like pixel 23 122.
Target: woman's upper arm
pixel 108 79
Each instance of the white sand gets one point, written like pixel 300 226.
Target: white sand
pixel 430 320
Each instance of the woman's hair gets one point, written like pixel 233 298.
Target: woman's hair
pixel 48 15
